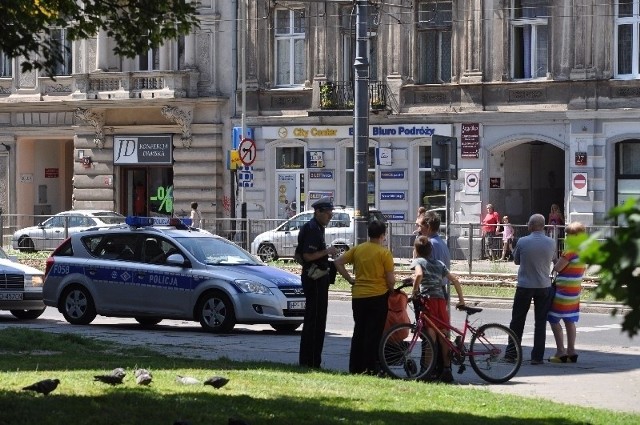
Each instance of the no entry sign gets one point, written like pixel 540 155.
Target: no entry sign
pixel 579 184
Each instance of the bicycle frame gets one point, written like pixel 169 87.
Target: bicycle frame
pixel 425 320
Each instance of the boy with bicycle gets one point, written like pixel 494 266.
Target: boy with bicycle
pixel 427 281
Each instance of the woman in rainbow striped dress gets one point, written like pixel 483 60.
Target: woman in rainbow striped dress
pixel 566 302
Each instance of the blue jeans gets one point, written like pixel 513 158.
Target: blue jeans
pixel 541 303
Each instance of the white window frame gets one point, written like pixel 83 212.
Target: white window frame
pixel 292 37
pixel 535 24
pixel 634 21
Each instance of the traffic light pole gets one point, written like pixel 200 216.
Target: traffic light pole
pixel 361 123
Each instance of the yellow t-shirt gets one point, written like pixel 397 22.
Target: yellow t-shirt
pixel 371 262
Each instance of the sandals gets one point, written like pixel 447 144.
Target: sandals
pixel 564 359
pixel 558 359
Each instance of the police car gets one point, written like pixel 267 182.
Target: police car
pixel 153 269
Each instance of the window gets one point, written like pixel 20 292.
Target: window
pixel 149 61
pixel 290 27
pixel 5 65
pixel 434 42
pixel 627 170
pixel 63 45
pixel 529 39
pixel 371 177
pixel 432 191
pixel 627 38
pixel 348 24
pixel 290 157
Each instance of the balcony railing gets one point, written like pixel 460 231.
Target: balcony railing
pixel 339 95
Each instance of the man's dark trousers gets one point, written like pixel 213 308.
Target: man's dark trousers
pixel 315 320
pixel 541 302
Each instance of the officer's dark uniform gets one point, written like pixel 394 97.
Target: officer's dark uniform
pixel 311 239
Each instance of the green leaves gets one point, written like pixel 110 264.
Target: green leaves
pixel 618 258
pixel 135 25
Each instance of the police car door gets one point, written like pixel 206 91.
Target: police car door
pixel 163 290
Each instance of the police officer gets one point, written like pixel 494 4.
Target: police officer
pixel 316 278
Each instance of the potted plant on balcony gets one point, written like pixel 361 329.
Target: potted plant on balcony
pixel 377 103
pixel 326 96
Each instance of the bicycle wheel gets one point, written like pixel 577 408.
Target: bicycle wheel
pixel 488 353
pixel 404 354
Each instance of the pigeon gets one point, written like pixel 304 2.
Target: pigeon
pixel 114 378
pixel 108 379
pixel 44 387
pixel 120 372
pixel 144 379
pixel 141 371
pixel 186 380
pixel 216 381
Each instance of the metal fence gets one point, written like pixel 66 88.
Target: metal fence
pixel 464 240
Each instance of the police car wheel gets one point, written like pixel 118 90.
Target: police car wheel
pixel 267 252
pixel 216 312
pixel 77 306
pixel 27 314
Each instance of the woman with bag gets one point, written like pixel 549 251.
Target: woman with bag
pixel 374 279
pixel 566 301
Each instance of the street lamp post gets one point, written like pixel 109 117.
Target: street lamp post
pixel 361 122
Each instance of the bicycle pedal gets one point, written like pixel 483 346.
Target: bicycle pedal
pixel 461 369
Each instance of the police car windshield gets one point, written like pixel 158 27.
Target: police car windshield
pixel 217 251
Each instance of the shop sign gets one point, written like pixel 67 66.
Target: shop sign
pixel 315 159
pixel 392 196
pixel 412 131
pixel 392 174
pixel 470 140
pixel 146 150
pixel 396 216
pixel 325 174
pixel 51 173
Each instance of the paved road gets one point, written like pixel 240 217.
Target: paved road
pixel 606 376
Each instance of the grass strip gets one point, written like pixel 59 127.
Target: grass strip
pixel 258 392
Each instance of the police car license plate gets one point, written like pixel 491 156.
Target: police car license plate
pixel 11 297
pixel 296 305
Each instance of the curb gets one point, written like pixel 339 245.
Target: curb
pixel 506 303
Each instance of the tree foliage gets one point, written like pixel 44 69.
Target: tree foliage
pixel 618 258
pixel 135 25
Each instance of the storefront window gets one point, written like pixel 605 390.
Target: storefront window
pixel 433 191
pixel 371 177
pixel 628 170
pixel 290 157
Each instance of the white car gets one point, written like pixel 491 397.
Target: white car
pixel 20 288
pixel 282 241
pixel 51 232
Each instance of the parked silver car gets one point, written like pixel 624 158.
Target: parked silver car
pixel 282 241
pixel 20 288
pixel 169 271
pixel 51 232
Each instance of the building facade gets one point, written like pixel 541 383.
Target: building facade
pixel 139 136
pixel 541 95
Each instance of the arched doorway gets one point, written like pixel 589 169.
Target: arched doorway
pixel 532 177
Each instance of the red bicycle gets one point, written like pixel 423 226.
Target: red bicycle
pixel 408 352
